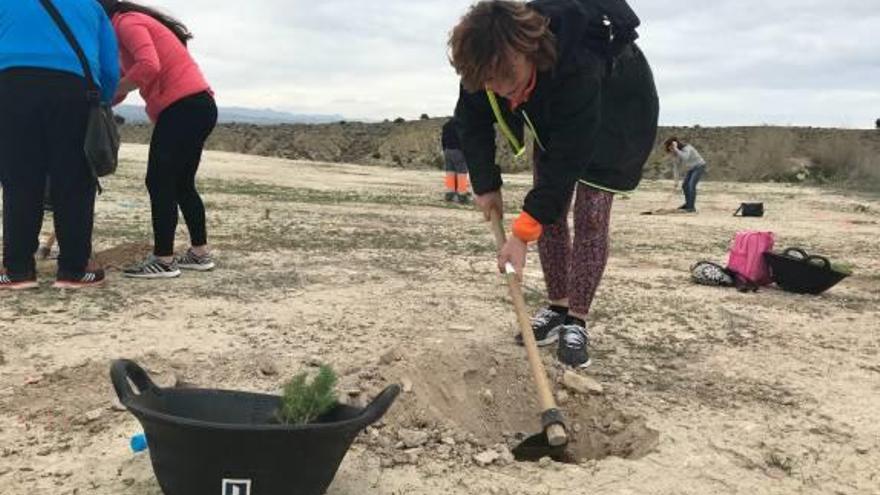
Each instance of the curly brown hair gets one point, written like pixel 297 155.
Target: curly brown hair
pixel 671 140
pixel 482 43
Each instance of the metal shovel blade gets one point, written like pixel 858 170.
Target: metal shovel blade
pixel 533 448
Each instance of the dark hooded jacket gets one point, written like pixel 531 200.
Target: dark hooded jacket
pixel 593 115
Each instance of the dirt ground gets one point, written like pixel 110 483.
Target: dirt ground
pixel 705 390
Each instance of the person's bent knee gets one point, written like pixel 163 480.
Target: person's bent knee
pixel 186 190
pixel 157 185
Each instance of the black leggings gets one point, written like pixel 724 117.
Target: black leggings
pixel 175 153
pixel 43 115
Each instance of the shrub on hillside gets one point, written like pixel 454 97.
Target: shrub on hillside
pixel 766 157
pixel 867 172
pixel 843 158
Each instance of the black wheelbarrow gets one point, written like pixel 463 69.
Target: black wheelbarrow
pixel 220 442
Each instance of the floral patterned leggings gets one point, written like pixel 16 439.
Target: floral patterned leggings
pixel 574 270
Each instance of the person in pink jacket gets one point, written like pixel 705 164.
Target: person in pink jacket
pixel 155 60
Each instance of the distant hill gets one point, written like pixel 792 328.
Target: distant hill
pixel 240 115
pixel 788 154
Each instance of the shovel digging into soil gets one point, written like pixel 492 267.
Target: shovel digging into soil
pixel 552 440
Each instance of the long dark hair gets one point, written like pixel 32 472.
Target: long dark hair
pixel 179 29
pixel 674 139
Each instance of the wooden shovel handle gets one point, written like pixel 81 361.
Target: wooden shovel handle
pixel 498 231
pixel 556 434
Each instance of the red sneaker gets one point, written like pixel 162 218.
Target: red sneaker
pixel 93 276
pixel 15 281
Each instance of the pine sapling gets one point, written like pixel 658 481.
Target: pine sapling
pixel 305 401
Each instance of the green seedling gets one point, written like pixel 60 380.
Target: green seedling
pixel 304 401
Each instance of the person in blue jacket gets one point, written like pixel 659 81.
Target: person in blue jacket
pixel 45 108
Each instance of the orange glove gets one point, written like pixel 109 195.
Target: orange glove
pixel 526 228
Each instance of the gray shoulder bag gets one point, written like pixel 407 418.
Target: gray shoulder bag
pixel 101 145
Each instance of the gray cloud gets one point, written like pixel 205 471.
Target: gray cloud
pixel 728 62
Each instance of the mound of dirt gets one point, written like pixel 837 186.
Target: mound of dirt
pixel 122 255
pixel 48 400
pixel 115 258
pixel 479 404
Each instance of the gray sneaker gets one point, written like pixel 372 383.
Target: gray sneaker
pixel 192 261
pixel 152 267
pixel 545 325
pixel 573 342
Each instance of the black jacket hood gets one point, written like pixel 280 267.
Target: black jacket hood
pixel 583 26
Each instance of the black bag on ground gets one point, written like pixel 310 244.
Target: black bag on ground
pixel 220 442
pixel 708 273
pixel 796 271
pixel 750 210
pixel 101 145
pixel 715 275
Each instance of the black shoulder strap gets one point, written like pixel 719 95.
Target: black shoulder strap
pixel 738 210
pixel 94 92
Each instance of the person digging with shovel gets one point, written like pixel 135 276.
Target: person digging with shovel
pixel 686 157
pixel 571 73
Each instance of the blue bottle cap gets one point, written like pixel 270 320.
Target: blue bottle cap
pixel 138 442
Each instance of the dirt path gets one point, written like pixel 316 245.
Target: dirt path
pixel 706 390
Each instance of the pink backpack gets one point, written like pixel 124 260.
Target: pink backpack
pixel 746 256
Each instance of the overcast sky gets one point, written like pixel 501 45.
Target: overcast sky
pixel 717 62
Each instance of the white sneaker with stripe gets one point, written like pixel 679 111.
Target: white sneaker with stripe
pixel 192 261
pixel 152 267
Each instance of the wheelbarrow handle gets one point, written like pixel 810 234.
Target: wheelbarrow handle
pixel 379 406
pixel 123 372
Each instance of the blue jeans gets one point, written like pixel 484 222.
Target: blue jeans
pixel 689 186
